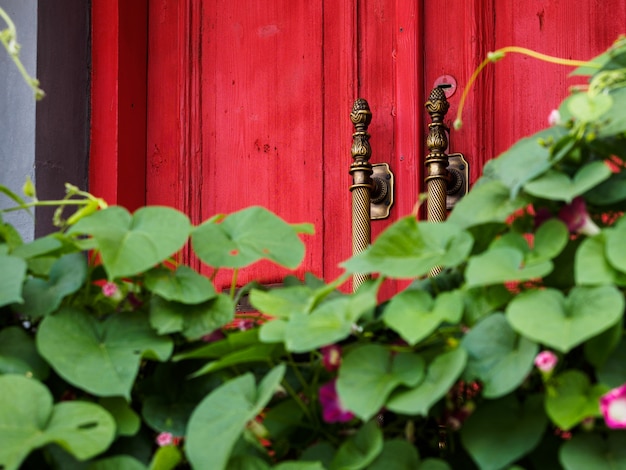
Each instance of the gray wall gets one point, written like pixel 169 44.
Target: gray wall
pixel 17 111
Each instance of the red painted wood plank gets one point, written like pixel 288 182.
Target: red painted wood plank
pixel 118 101
pixel 262 106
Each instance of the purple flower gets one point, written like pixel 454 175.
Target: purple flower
pixel 546 361
pixel 331 357
pixel 332 410
pixel 613 407
pixel 577 218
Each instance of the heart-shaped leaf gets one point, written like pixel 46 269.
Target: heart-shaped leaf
pixel 488 202
pixel 500 432
pixel 211 418
pixel 397 454
pixel 615 245
pixel 370 373
pixel 126 420
pixel 591 266
pixel 181 285
pixel 558 186
pixel 29 420
pixel 130 244
pixel 359 450
pixel 550 240
pixel 18 354
pixel 613 372
pixel 170 396
pixel 586 451
pixel 547 317
pixel 245 237
pixel 67 276
pixel 410 249
pixel 499 265
pixel 118 462
pixel 572 398
pixel 414 315
pixel 194 321
pixel 441 374
pixel 587 107
pixel 11 278
pixel 498 356
pixel 101 357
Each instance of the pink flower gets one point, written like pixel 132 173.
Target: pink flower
pixel 577 218
pixel 110 289
pixel 332 410
pixel 613 407
pixel 165 439
pixel 331 357
pixel 546 361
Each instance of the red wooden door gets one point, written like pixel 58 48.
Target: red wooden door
pixel 248 102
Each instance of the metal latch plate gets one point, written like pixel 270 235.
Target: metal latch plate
pixel 382 195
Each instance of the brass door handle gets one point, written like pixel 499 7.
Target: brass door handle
pixel 372 185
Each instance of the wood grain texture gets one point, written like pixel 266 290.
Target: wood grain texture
pixel 118 98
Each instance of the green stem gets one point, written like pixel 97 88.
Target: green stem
pixel 12 51
pixel 233 284
pixel 499 54
pixel 62 202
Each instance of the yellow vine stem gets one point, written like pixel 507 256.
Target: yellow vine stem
pixel 499 54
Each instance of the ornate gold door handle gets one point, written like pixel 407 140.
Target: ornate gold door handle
pixel 372 185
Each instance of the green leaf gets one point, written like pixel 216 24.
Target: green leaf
pixel 482 301
pixel 587 451
pixel 18 354
pixel 525 160
pixel 11 278
pixel 414 315
pixel 328 323
pixel 500 432
pixel 126 420
pixel 234 341
pixel 166 458
pixel 397 454
pixel 359 450
pixel 211 418
pixel 489 202
pixel 67 276
pixel 118 462
pixel 613 372
pixel 299 465
pixel 38 247
pixel 609 191
pixel 245 237
pixel 571 398
pixel 368 375
pixel 169 396
pixel 558 186
pixel 498 356
pixel 193 321
pixel 591 266
pixel 500 265
pixel 599 348
pixel 550 240
pixel 256 353
pixel 615 245
pixel 547 317
pixel 615 119
pixel 284 302
pixel 586 107
pixel 131 244
pixel 29 420
pixel 101 357
pixel 182 285
pixel 409 248
pixel 441 374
